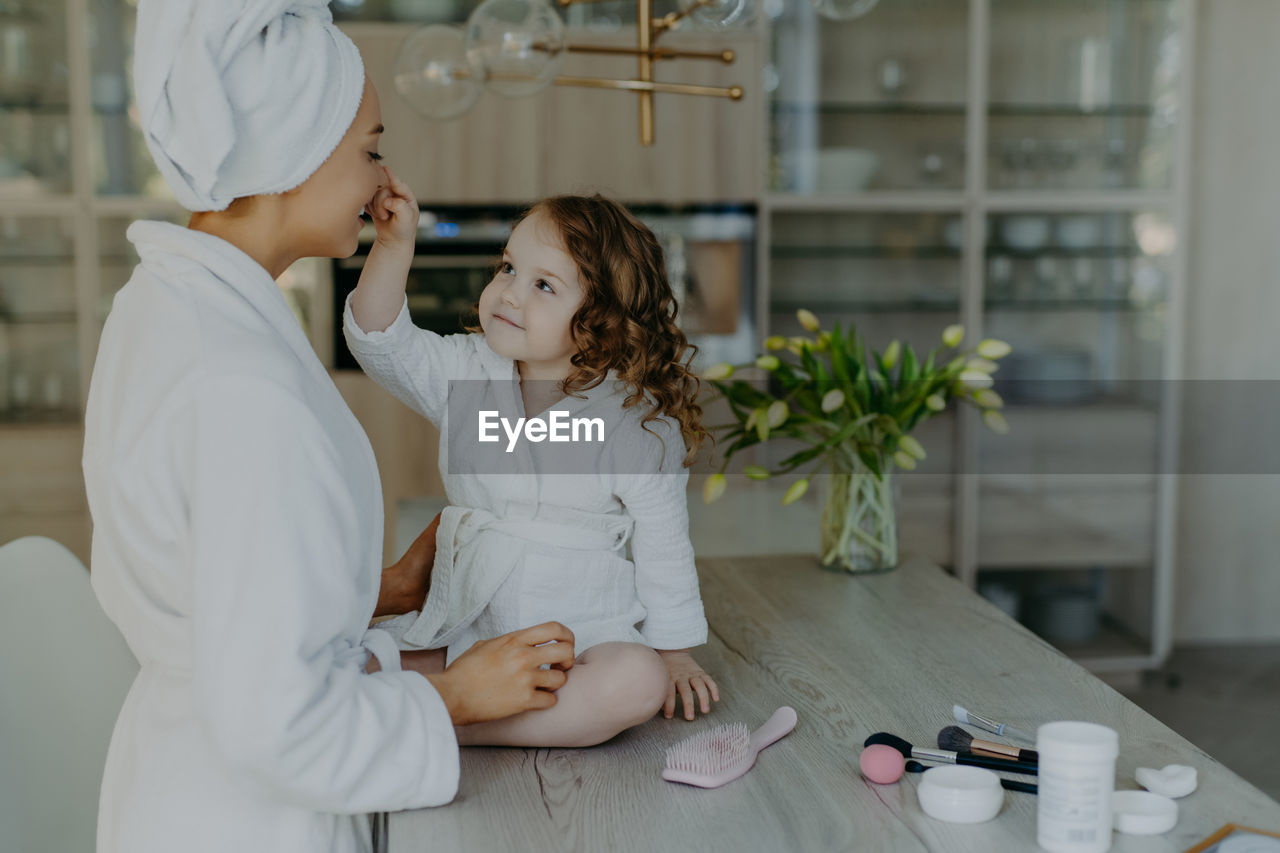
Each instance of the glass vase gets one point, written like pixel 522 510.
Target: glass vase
pixel 860 519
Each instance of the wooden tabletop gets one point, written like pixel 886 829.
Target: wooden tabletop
pixel 853 655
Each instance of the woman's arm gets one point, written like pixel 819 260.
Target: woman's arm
pixel 405 583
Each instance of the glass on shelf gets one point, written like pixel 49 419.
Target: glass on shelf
pixel 1086 100
pixel 1083 611
pixel 1078 262
pixel 1082 299
pixel 122 164
pixel 873 104
pixel 35 132
pixel 858 267
pixel 39 355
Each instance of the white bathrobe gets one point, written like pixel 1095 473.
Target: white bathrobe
pixel 237 544
pixel 540 534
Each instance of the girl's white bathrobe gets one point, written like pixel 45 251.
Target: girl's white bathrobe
pixel 237 545
pixel 540 533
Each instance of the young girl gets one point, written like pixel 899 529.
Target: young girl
pixel 578 320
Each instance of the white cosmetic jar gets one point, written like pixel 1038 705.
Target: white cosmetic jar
pixel 959 794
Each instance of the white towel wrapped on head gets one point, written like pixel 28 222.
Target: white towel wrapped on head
pixel 242 97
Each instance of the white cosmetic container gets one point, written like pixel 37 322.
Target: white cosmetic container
pixel 960 794
pixel 1077 778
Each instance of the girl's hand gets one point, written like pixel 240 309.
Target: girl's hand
pixel 687 678
pixel 394 211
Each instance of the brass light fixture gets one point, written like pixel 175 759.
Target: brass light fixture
pixel 516 48
pixel 646 51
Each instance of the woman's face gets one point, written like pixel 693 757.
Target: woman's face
pixel 323 214
pixel 526 310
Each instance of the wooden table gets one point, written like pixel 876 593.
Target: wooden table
pixel 853 656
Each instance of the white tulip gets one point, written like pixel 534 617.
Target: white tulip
pixel 891 353
pixel 798 488
pixel 992 348
pixel 988 399
pixel 995 421
pixel 911 447
pixel 976 379
pixel 982 365
pixel 713 488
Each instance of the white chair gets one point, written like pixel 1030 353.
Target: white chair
pixel 64 673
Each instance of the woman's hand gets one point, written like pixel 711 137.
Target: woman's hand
pixel 504 676
pixel 394 211
pixel 405 584
pixel 687 678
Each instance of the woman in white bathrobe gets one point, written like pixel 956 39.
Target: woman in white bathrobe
pixel 236 504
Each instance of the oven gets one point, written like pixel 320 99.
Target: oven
pixel 710 252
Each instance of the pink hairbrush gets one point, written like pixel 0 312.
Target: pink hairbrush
pixel 720 755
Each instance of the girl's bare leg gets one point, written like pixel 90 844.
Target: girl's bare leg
pixel 611 687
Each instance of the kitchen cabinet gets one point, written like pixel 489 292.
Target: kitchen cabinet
pixel 1019 167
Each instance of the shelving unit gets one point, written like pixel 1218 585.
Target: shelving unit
pixel 74 172
pixel 919 246
pixel 980 136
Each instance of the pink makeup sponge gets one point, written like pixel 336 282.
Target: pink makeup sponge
pixel 882 764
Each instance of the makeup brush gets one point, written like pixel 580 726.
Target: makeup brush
pixel 1007 784
pixel 988 725
pixel 943 756
pixel 957 739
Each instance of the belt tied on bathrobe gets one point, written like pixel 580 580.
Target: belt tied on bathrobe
pixel 465 577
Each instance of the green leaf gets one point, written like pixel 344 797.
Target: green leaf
pixel 888 424
pixel 839 357
pixel 795 460
pixel 910 368
pixel 870 459
pixel 745 394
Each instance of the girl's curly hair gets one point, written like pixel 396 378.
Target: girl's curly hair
pixel 627 320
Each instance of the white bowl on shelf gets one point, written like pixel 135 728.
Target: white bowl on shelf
pixel 829 170
pixel 1026 233
pixel 1080 231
